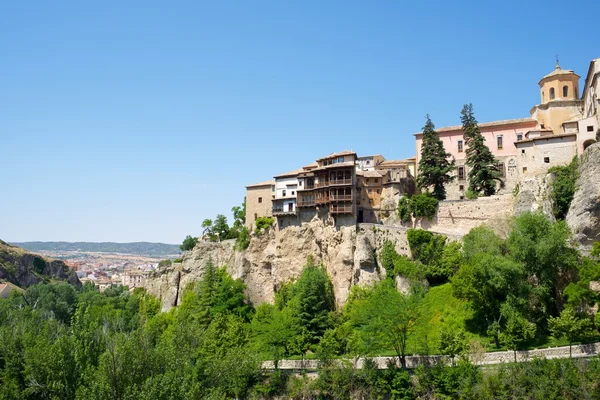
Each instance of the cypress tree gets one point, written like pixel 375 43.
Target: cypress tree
pixel 483 166
pixel 434 166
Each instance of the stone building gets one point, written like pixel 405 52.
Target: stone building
pixel 525 147
pixel 258 201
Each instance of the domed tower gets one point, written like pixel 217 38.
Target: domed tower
pixel 560 105
pixel 560 84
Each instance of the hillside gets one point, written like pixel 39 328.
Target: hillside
pixel 24 269
pixel 135 248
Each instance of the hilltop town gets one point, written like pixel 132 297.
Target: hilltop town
pixel 346 188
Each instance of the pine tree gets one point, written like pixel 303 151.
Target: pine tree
pixel 434 166
pixel 483 166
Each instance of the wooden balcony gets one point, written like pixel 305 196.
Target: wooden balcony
pixel 341 197
pixel 345 209
pixel 306 203
pixel 340 182
pixel 307 187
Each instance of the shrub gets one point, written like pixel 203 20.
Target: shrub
pixel 188 243
pixel 423 205
pixel 404 209
pixel 388 257
pixel 263 223
pixel 563 188
pixel 471 195
pixel 243 239
pixel 425 246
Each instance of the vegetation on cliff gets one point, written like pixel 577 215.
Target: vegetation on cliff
pixel 563 188
pixel 434 166
pixel 527 290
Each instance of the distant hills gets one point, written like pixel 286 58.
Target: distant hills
pixel 135 248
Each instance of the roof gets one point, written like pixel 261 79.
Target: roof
pixel 336 165
pixel 291 173
pixel 265 183
pixel 369 174
pixel 393 163
pixel 311 166
pixel 341 153
pixel 485 124
pixel 373 156
pixel 558 71
pixel 545 138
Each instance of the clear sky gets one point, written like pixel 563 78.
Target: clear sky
pixel 135 120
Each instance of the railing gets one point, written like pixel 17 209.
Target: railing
pixel 342 197
pixel 340 182
pixel 306 203
pixel 341 210
pixel 282 211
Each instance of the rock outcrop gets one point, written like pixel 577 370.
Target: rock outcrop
pixel 24 269
pixel 533 195
pixel 584 213
pixel 348 253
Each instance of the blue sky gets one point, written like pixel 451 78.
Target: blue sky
pixel 128 121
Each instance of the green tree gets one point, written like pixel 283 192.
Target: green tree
pixel 483 170
pixel 517 329
pixel 453 343
pixel 434 166
pixel 273 330
pixel 388 257
pixel 423 205
pixel 221 228
pixel 385 318
pixel 563 187
pixel 207 227
pixel 403 209
pixel 313 300
pixel 188 243
pixel 571 325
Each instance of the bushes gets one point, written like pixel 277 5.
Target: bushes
pixel 423 205
pixel 243 240
pixel 563 188
pixel 419 206
pixel 263 223
pixel 188 243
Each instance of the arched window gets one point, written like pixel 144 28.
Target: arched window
pixel 565 91
pixel 543 97
pixel 552 95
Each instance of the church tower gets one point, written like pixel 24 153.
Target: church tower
pixel 560 105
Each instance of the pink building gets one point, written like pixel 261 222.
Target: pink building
pixel 525 147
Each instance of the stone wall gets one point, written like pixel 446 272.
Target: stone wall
pixel 456 218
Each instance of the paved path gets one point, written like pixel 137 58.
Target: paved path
pixel 499 357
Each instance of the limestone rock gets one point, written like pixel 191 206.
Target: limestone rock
pixel 584 213
pixel 534 194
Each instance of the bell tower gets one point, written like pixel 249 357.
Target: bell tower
pixel 560 84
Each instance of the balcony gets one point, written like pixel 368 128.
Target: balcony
pixel 283 211
pixel 306 203
pixel 340 182
pixel 307 187
pixel 341 197
pixel 345 209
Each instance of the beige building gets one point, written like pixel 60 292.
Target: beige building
pixel 258 201
pixel 134 278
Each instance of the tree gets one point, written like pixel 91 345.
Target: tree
pixel 386 318
pixel 434 167
pixel 571 325
pixel 220 227
pixel 313 300
pixel 188 243
pixel 239 215
pixel 563 187
pixel 483 169
pixel 517 328
pixel 453 343
pixel 273 329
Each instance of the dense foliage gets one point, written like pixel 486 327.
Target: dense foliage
pixel 563 187
pixel 188 243
pixel 483 170
pixel 526 290
pixel 417 206
pixel 434 165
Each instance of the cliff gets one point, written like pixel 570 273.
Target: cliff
pixel 584 213
pixel 25 269
pixel 348 253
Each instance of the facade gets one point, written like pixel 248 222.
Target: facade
pixel 551 136
pixel 258 201
pixel 133 279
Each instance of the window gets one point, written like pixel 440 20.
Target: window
pixel 500 140
pixel 376 180
pixel 260 199
pixel 293 193
pixel 378 191
pixel 340 159
pixel 461 173
pixel 524 169
pixel 552 94
pixel 501 169
pixel 460 146
pixel 565 91
pixel 519 136
pixel 547 160
pixel 543 97
pixel 523 151
pixel 272 188
pixel 283 193
pixel 590 128
pixel 461 187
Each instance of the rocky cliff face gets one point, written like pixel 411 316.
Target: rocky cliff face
pixel 584 213
pixel 349 254
pixel 25 269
